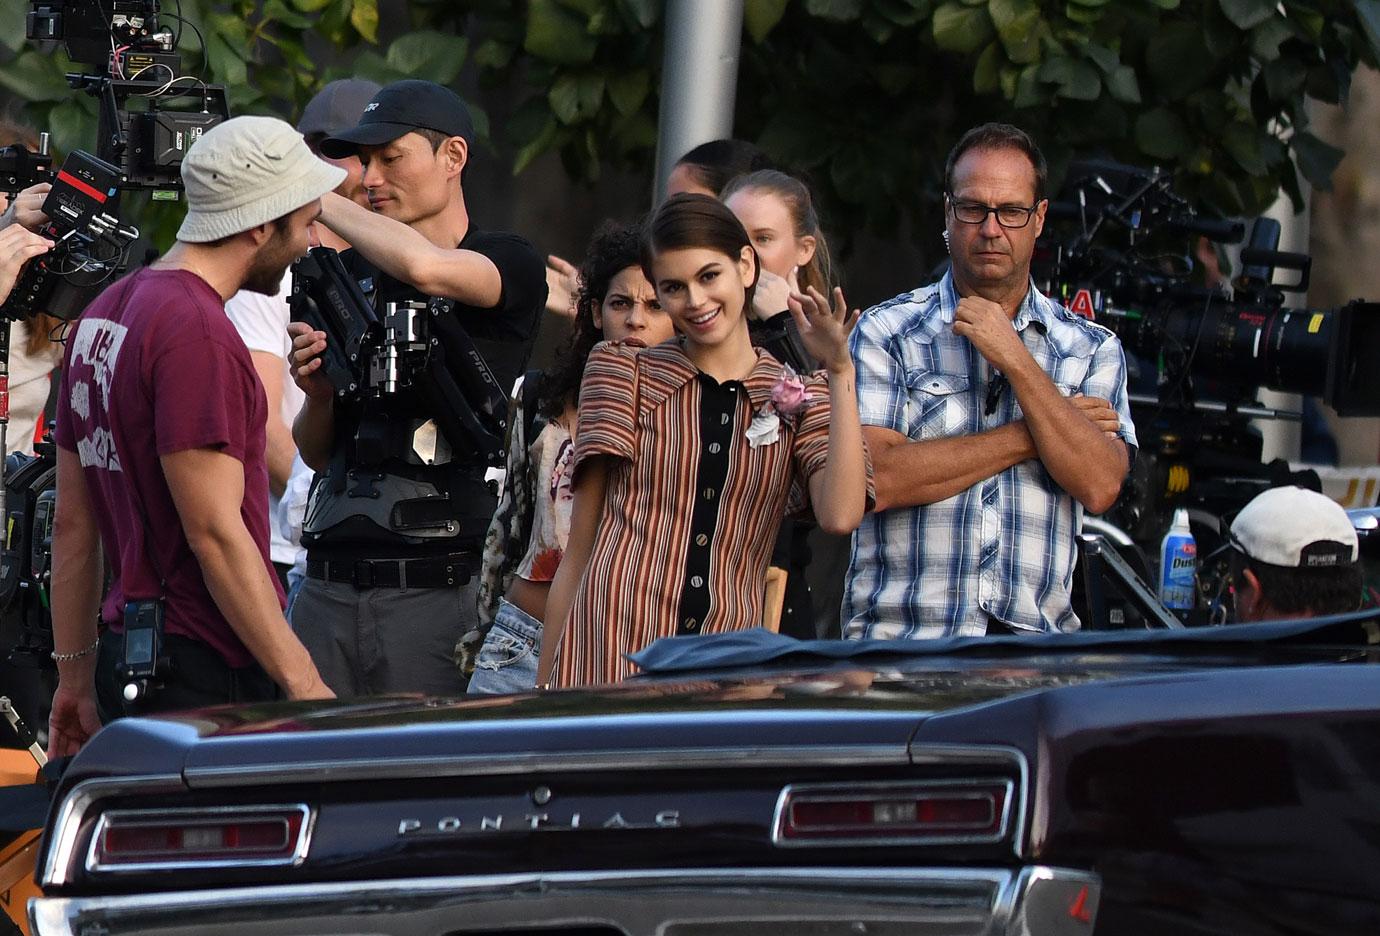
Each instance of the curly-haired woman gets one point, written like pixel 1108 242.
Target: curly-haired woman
pixel 527 536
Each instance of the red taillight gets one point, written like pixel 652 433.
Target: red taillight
pixel 892 813
pixel 185 838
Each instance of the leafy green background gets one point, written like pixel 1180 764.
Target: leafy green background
pixel 863 96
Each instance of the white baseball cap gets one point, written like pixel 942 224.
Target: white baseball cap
pixel 1295 528
pixel 248 171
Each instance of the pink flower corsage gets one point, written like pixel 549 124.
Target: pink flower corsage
pixel 788 396
pixel 788 399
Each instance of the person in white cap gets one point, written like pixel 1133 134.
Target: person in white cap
pixel 160 434
pixel 1294 555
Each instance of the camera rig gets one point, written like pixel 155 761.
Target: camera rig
pixel 91 245
pixel 1123 268
pixel 1118 247
pixel 138 62
pixel 136 148
pixel 414 347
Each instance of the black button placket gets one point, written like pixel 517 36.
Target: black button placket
pixel 718 404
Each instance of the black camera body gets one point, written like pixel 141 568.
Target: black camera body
pixel 91 245
pixel 1128 268
pixel 136 149
pixel 87 28
pixel 1202 353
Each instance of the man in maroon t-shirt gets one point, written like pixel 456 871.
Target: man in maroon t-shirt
pixel 160 437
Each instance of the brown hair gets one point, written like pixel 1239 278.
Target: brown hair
pixel 999 136
pixel 716 163
pixel 819 272
pixel 693 220
pixel 1301 591
pixel 42 326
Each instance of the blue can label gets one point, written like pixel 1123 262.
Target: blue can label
pixel 1178 570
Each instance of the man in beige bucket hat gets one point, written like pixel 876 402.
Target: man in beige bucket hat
pixel 160 437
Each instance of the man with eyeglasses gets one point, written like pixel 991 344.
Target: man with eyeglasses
pixel 994 416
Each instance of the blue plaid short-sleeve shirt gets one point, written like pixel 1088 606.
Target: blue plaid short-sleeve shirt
pixel 1003 548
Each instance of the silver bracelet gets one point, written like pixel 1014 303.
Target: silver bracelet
pixel 77 654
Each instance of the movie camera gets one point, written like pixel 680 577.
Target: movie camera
pixel 1118 247
pixel 406 349
pixel 91 245
pixel 149 116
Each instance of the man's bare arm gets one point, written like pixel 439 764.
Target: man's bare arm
pixel 908 473
pixel 585 515
pixel 207 487
pixel 1074 450
pixel 78 574
pixel 1078 455
pixel 404 254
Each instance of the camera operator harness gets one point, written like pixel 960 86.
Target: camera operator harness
pixel 423 411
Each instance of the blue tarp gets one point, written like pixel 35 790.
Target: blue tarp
pixel 756 647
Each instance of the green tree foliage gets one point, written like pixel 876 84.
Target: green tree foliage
pixel 265 52
pixel 865 96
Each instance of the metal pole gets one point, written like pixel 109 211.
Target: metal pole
pixel 699 79
pixel 1283 439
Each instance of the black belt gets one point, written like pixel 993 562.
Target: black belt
pixel 450 571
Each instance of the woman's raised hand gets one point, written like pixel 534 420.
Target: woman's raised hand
pixel 824 327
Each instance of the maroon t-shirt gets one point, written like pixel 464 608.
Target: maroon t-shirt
pixel 154 366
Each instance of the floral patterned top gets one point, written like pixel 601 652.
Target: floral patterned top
pixel 550 458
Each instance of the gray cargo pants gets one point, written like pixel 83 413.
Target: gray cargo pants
pixel 370 641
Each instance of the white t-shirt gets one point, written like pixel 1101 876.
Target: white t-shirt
pixel 292 509
pixel 262 322
pixel 28 388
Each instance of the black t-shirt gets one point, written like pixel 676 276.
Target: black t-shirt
pixel 503 335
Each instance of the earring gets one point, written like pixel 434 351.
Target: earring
pixel 945 235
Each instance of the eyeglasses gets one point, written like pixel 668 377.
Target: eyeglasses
pixel 1008 216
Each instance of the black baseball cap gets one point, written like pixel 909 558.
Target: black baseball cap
pixel 399 108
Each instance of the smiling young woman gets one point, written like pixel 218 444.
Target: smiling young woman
pixel 689 453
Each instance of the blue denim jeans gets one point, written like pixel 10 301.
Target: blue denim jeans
pixel 295 580
pixel 507 661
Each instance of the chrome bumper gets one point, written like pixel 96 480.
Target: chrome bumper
pixel 1034 901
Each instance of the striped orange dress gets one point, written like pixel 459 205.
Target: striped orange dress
pixel 691 509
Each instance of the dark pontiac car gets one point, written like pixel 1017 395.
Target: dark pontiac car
pixel 1211 781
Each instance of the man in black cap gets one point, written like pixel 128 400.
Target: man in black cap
pixel 397 516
